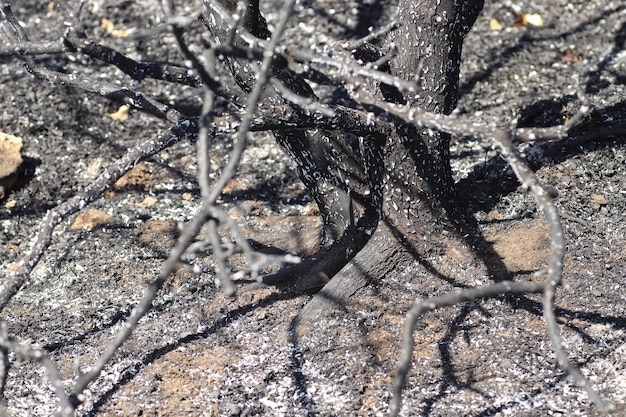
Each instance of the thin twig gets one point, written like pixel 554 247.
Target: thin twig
pixel 137 70
pixel 31 49
pixel 242 9
pixel 376 34
pixel 306 103
pixel 536 134
pixel 222 270
pixel 207 78
pixel 71 17
pixel 132 98
pixel 189 232
pixel 263 76
pixel 553 279
pixel 562 356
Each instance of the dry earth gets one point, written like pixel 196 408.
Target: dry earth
pixel 200 353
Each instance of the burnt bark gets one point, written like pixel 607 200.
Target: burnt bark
pixel 386 200
pixel 419 209
pixel 327 162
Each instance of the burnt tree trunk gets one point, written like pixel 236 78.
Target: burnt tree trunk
pixel 394 199
pixel 419 209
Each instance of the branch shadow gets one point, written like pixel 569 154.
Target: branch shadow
pixel 491 180
pixel 543 154
pixel 449 375
pixel 529 38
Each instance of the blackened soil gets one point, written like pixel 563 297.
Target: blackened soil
pixel 201 353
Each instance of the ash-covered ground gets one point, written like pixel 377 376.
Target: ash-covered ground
pixel 200 353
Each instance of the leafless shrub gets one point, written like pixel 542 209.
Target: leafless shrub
pixel 271 98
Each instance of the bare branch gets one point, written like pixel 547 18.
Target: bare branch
pixel 31 49
pixel 135 69
pixel 447 300
pixel 379 33
pixel 306 103
pixel 190 231
pixel 132 98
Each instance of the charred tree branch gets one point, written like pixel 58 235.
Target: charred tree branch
pixel 190 231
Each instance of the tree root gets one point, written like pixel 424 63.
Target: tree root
pixel 380 256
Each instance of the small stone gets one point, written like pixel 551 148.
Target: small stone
pixel 148 202
pixel 598 200
pixel 233 410
pixel 11 162
pixel 90 219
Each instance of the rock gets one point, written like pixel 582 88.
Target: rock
pixel 11 162
pixel 90 219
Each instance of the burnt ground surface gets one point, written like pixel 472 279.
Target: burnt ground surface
pixel 200 353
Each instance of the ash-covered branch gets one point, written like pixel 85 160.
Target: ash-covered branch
pixel 137 70
pixel 132 98
pixel 193 228
pixel 10 49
